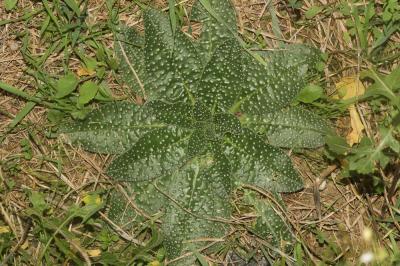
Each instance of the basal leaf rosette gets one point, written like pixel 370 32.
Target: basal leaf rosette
pixel 214 118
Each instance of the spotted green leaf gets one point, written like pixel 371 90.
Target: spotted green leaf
pixel 212 120
pixel 113 128
pixel 221 81
pixel 256 163
pixel 218 24
pixel 160 65
pixel 193 197
pixel 291 128
pixel 156 154
pixel 270 224
pixel 129 49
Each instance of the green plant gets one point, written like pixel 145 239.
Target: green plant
pixel 367 161
pixel 372 24
pixel 214 117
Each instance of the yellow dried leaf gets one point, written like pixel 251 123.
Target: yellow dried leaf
pixel 94 252
pixel 4 229
pixel 25 245
pixel 357 127
pixel 93 199
pixel 154 263
pixel 83 71
pixel 349 87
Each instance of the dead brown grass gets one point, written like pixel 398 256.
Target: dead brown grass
pixel 338 211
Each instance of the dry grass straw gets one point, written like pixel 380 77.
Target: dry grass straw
pixel 338 211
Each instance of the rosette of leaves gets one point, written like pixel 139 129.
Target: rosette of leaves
pixel 214 119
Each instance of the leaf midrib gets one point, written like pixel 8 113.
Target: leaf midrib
pixel 294 127
pixel 119 127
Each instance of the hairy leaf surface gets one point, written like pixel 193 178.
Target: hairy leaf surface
pixel 291 128
pixel 257 163
pixel 213 118
pixel 113 128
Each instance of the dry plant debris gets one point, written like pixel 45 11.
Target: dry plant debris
pixel 51 193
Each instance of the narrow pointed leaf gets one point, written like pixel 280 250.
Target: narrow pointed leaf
pixel 187 66
pixel 216 27
pixel 269 223
pixel 159 43
pixel 129 49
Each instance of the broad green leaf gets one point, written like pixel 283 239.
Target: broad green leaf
pixel 393 80
pixel 201 189
pixel 256 163
pixel 313 11
pixel 84 212
pixel 193 198
pixel 87 92
pixel 113 128
pixel 198 142
pixel 104 93
pixel 10 4
pixel 175 63
pixel 38 201
pixel 201 112
pixel 337 145
pixel 291 128
pixel 364 158
pixel 186 148
pixel 187 66
pixel 66 85
pixel 302 59
pixel 310 93
pixel 226 123
pixel 178 114
pixel 156 154
pixel 269 88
